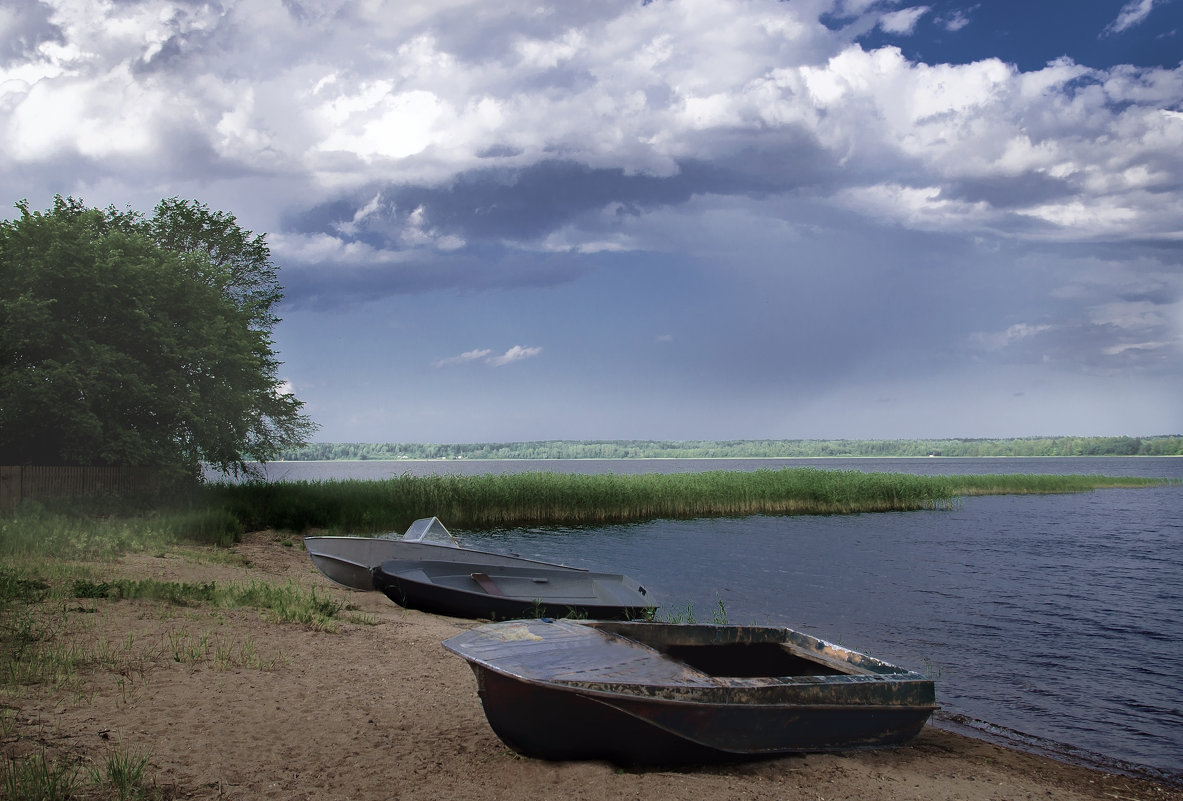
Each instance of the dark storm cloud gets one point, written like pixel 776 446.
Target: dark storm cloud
pixel 1009 192
pixel 29 28
pixel 528 203
pixel 340 284
pixel 492 207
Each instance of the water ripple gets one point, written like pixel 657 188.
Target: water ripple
pixel 1055 618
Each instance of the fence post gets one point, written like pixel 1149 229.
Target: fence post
pixel 10 487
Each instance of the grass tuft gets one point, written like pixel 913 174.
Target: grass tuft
pixel 36 778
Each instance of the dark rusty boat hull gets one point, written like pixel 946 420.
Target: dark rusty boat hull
pixel 563 697
pixel 556 724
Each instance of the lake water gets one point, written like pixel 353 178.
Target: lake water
pixel 374 470
pixel 1050 622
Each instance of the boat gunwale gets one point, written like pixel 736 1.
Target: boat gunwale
pixel 617 699
pixel 696 686
pixel 728 688
pixel 463 549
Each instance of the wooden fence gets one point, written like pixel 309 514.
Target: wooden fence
pixel 37 482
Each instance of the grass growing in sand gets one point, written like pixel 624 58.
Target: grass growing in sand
pixel 58 639
pixel 36 777
pixel 43 627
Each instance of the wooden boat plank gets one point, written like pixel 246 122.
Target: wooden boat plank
pixel 485 583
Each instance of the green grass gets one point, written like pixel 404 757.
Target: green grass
pixel 219 514
pixel 36 777
pixel 78 530
pixel 520 499
pixel 283 603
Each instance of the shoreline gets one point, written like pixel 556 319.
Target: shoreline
pixel 1003 737
pixel 379 710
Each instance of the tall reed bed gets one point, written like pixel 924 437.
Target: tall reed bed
pixel 492 501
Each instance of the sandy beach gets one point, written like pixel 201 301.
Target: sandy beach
pixel 226 704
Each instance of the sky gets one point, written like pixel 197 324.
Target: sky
pixel 670 220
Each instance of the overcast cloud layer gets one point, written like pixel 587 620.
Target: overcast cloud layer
pixel 674 219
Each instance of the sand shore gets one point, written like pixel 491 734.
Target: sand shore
pixel 379 710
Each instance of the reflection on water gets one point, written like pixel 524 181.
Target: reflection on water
pixel 1059 617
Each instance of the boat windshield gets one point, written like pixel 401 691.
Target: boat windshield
pixel 431 530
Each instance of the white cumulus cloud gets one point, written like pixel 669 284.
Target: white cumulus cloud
pixel 903 21
pixel 463 358
pixel 1132 13
pixel 514 354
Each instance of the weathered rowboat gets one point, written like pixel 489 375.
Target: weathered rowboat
pixel 350 561
pixel 654 693
pixel 500 591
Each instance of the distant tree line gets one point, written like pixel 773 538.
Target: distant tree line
pixel 744 449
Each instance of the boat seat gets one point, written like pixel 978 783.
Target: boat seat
pixel 487 584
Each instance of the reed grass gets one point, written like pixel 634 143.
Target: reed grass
pixel 219 514
pixel 518 499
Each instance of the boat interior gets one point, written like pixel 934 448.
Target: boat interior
pixel 748 660
pixel 755 653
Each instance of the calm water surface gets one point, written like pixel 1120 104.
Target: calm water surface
pixel 1052 621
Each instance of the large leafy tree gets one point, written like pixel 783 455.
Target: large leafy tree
pixel 138 340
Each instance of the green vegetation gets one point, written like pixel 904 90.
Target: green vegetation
pixel 49 582
pixel 686 615
pixel 283 603
pixel 54 640
pixel 518 499
pixel 219 514
pixel 101 529
pixel 37 778
pixel 135 341
pixel 746 449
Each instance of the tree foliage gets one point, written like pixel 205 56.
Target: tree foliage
pixel 139 341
